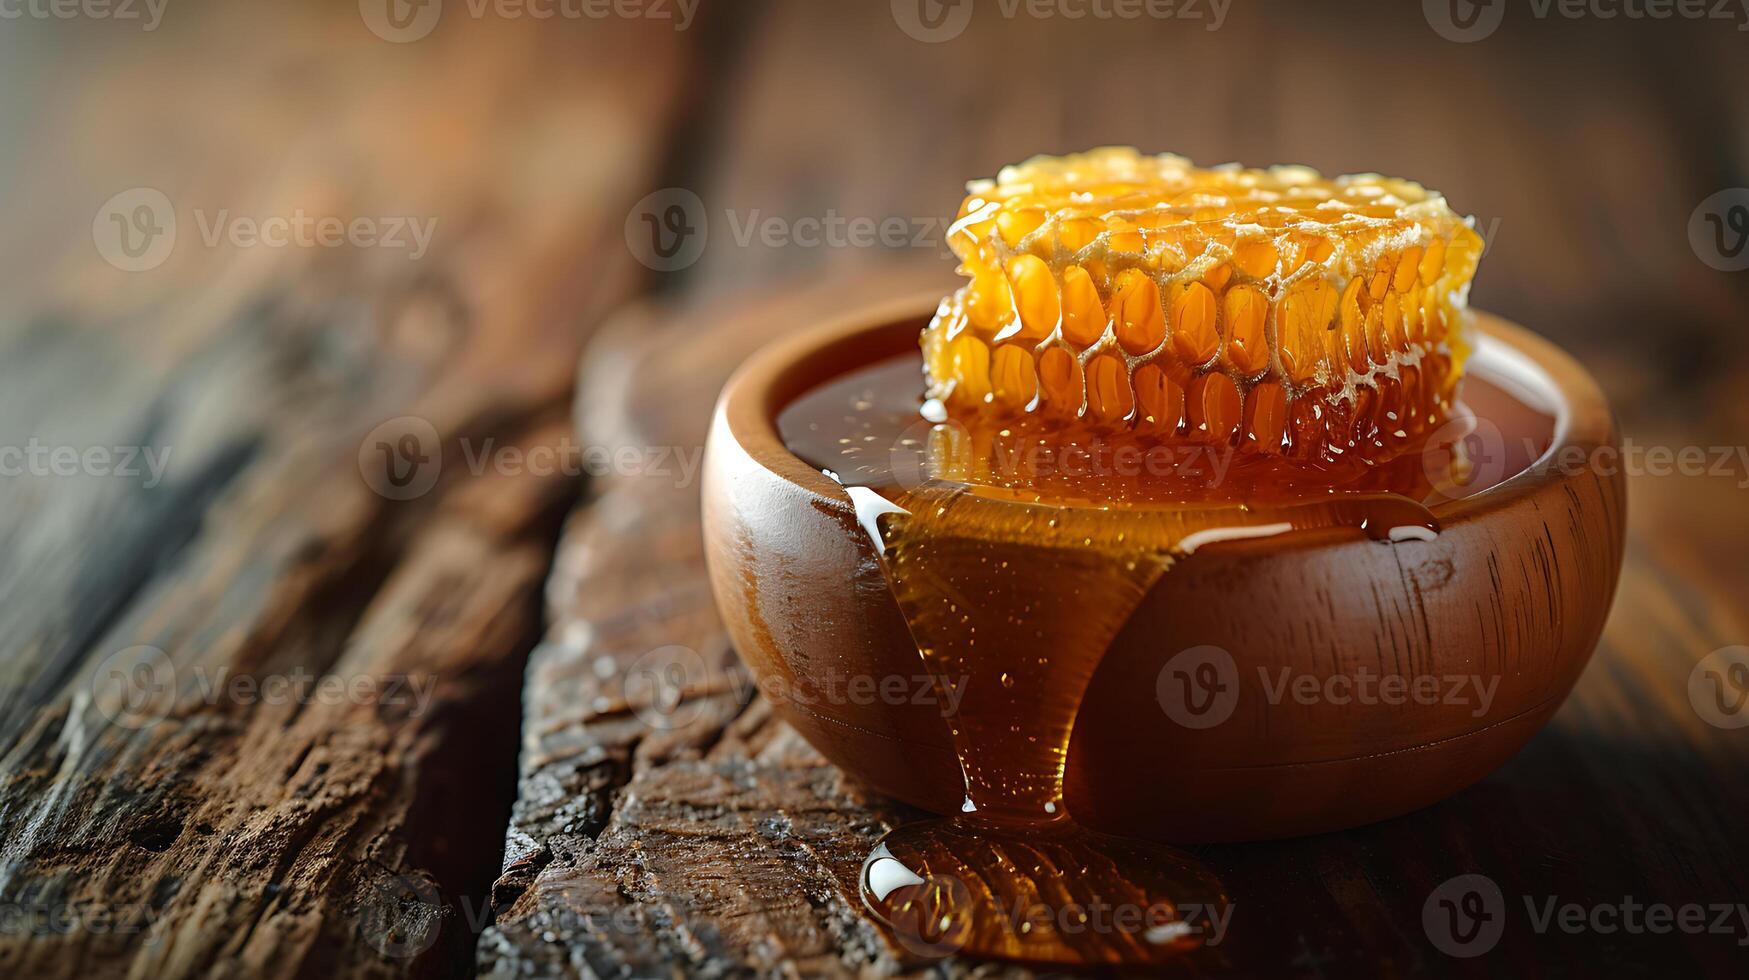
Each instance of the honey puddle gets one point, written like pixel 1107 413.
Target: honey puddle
pixel 1016 560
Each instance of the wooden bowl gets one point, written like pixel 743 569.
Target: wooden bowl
pixel 1486 626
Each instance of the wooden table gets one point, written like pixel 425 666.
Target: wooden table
pixel 260 711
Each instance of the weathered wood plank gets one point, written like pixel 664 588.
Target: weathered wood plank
pixel 648 837
pixel 256 717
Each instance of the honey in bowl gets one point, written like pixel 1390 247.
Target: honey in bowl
pixel 1148 358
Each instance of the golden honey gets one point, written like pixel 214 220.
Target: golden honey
pixel 1147 358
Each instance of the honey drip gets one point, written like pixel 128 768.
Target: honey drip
pixel 1014 574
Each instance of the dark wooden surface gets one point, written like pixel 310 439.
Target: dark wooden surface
pixel 364 838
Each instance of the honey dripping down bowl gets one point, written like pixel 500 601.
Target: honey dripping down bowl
pixel 1514 587
pixel 1032 536
pixel 1016 553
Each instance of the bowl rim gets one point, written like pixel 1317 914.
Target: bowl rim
pixel 1511 356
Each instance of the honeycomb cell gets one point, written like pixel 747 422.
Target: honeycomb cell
pixel 1266 417
pixel 1035 296
pixel 1256 257
pixel 1213 404
pixel 1109 397
pixel 1300 292
pixel 1060 382
pixel 1193 324
pixel 1246 309
pixel 1135 312
pixel 1083 311
pixel 1012 378
pixel 1159 402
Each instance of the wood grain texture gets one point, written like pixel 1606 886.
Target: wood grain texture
pixel 671 826
pixel 310 776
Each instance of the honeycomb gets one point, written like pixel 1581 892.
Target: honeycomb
pixel 1273 310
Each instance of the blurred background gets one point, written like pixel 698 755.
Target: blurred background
pixel 1583 137
pixel 251 234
